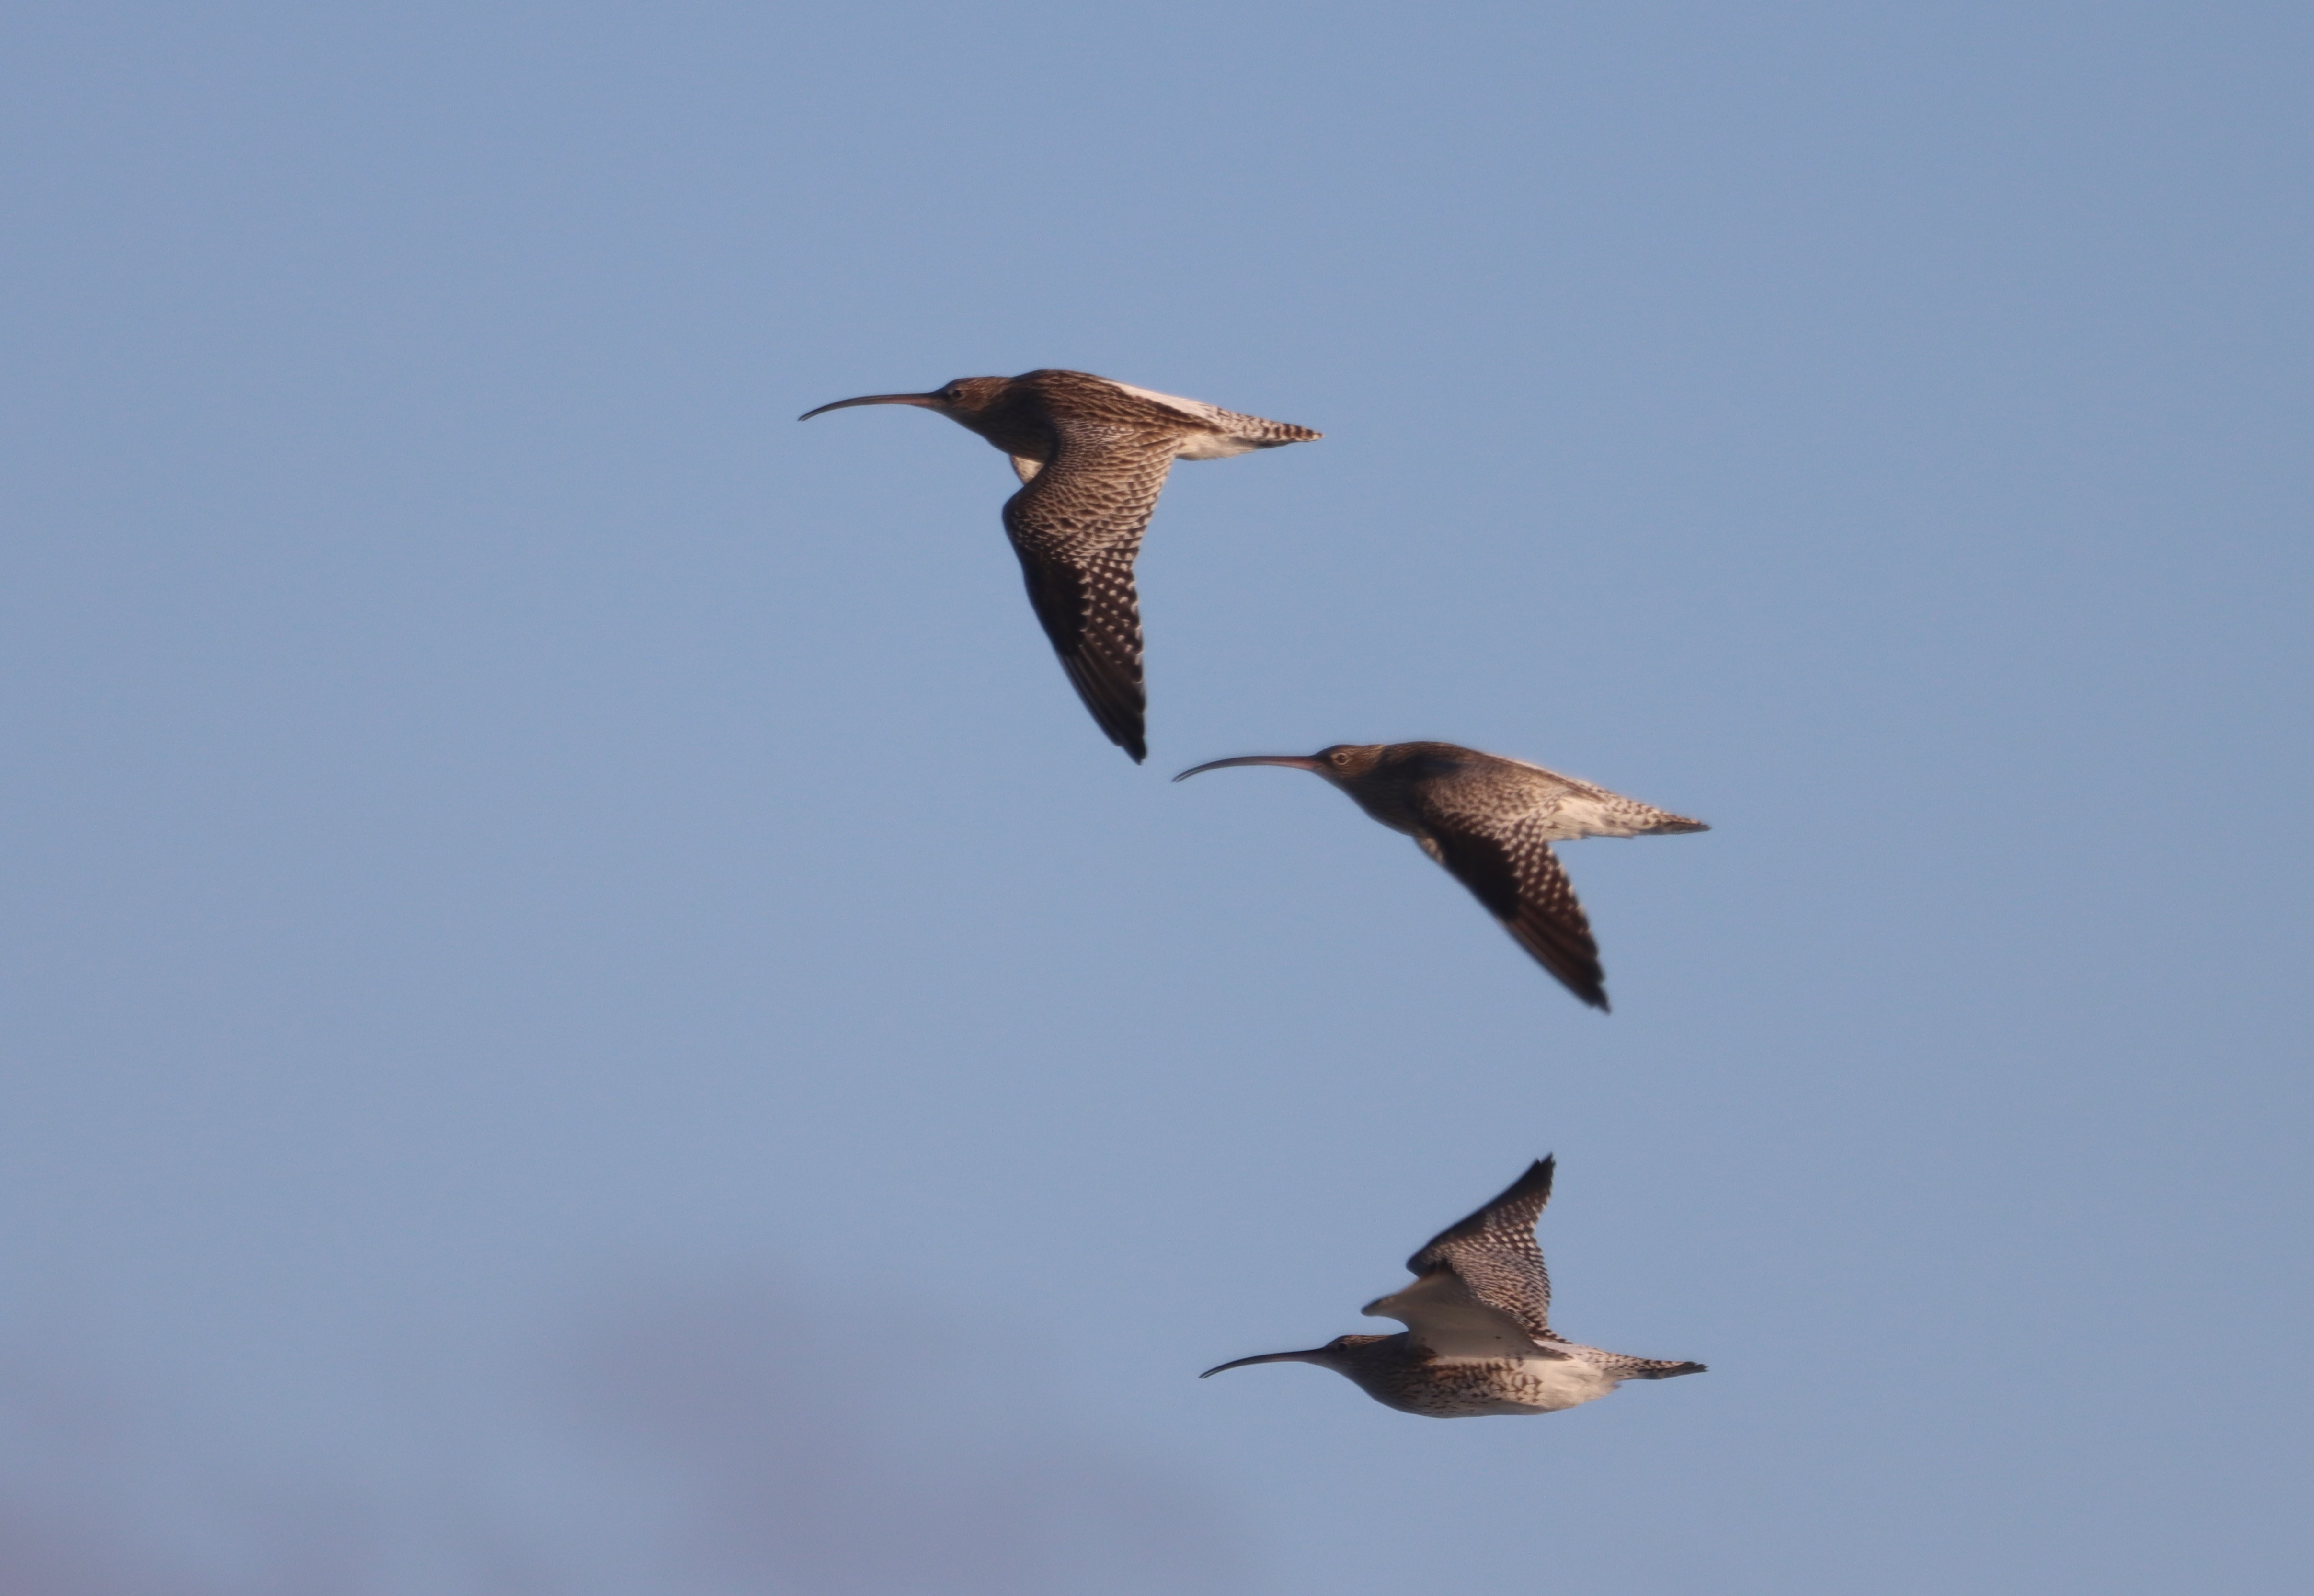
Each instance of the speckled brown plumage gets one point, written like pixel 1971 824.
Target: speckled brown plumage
pixel 1092 455
pixel 1479 1339
pixel 1490 822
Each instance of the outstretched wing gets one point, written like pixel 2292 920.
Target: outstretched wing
pixel 1487 1263
pixel 1077 526
pixel 1510 868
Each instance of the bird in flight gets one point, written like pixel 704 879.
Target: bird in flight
pixel 1091 455
pixel 1478 1337
pixel 1490 822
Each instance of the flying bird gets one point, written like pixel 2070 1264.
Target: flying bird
pixel 1490 822
pixel 1478 1337
pixel 1091 454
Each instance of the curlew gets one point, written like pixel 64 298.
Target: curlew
pixel 1490 822
pixel 1478 1337
pixel 1091 455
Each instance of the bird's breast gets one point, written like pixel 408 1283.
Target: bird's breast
pixel 1387 802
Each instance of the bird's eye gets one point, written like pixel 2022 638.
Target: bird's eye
pixel 954 396
pixel 1342 758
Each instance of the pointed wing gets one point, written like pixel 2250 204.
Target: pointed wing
pixel 1509 867
pixel 1491 1261
pixel 1077 526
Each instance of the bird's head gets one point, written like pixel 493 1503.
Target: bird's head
pixel 1344 761
pixel 1338 1354
pixel 960 401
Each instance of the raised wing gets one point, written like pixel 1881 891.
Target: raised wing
pixel 1493 1255
pixel 1077 527
pixel 1509 867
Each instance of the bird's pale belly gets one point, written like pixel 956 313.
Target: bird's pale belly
pixel 1475 1388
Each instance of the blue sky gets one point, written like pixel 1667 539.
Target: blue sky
pixel 587 1013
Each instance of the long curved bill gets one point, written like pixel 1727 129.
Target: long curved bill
pixel 1295 762
pixel 1309 1357
pixel 926 400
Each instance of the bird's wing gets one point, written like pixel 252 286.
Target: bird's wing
pixel 1486 1264
pixel 1449 1319
pixel 1077 527
pixel 1509 867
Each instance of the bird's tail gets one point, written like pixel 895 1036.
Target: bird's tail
pixel 1240 434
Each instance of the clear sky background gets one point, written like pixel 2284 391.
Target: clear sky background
pixel 587 1013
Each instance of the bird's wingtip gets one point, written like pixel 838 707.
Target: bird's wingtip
pixel 1538 1176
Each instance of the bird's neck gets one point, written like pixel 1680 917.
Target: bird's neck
pixel 1386 800
pixel 1014 427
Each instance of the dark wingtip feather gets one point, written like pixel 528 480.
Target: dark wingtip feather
pixel 1567 952
pixel 1535 1183
pixel 1122 731
pixel 1538 1176
pixel 1115 701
